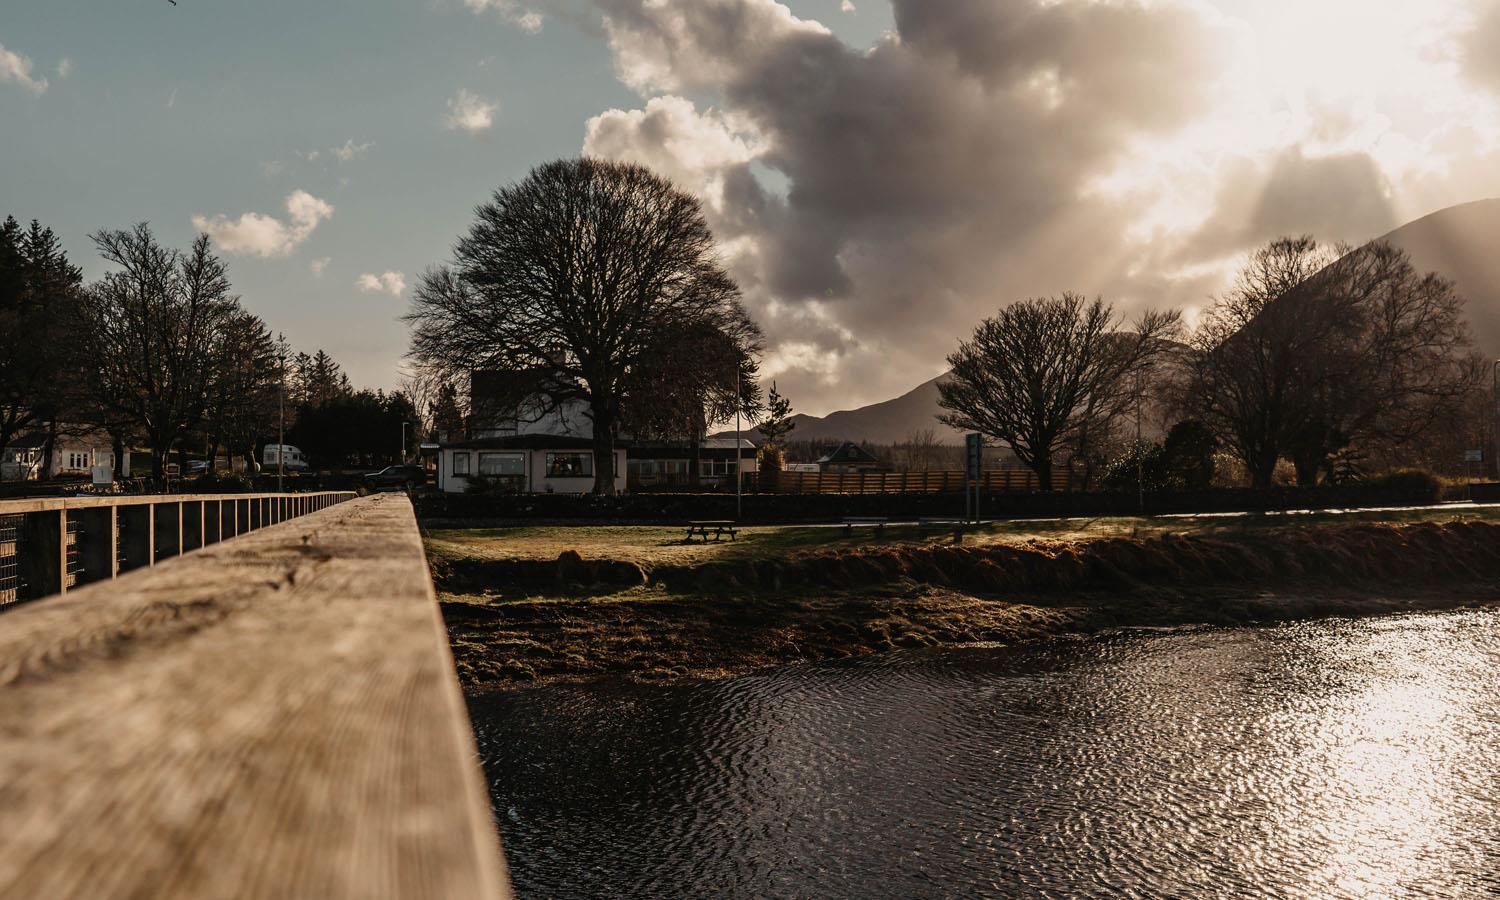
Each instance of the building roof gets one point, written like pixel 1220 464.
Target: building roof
pixel 848 453
pixel 727 443
pixel 530 442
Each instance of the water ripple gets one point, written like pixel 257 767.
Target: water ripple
pixel 1320 759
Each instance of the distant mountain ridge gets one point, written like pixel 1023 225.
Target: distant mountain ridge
pixel 888 422
pixel 1461 243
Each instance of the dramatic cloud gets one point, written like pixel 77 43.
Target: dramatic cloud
pixel 16 68
pixel 875 203
pixel 470 112
pixel 393 283
pixel 255 234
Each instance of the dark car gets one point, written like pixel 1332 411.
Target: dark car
pixel 403 477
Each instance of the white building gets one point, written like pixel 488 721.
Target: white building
pixel 75 454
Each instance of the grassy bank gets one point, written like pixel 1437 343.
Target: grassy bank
pixel 559 603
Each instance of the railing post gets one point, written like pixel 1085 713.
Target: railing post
pixel 98 535
pixel 168 529
pixel 138 536
pixel 43 562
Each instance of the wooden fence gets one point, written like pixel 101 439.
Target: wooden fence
pixel 1009 479
pixel 51 545
pixel 272 716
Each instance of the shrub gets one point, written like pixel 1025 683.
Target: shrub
pixel 221 483
pixel 1410 483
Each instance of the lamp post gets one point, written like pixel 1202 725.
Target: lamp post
pixel 739 479
pixel 404 423
pixel 1495 409
pixel 281 425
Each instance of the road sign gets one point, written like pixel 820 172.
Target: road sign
pixel 974 455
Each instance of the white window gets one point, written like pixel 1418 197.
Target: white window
pixel 502 464
pixel 715 468
pixel 460 464
pixel 570 465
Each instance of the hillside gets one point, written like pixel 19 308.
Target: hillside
pixel 887 422
pixel 1462 243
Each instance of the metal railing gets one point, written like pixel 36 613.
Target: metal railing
pixel 50 545
pixel 1006 479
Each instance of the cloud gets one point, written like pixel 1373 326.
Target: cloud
pixel 255 234
pixel 470 112
pixel 350 150
pixel 318 265
pixel 393 283
pixel 846 6
pixel 874 204
pixel 64 67
pixel 17 68
pixel 528 20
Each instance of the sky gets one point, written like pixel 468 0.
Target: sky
pixel 880 175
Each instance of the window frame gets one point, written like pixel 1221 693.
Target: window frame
pixel 551 462
pixel 464 456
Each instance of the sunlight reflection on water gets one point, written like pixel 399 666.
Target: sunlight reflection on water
pixel 1321 759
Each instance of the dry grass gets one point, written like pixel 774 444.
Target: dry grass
pixel 642 604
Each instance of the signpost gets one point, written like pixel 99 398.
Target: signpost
pixel 974 474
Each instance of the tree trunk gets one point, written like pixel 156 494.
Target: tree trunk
pixel 604 450
pixel 117 447
pixel 1041 464
pixel 1262 468
pixel 49 449
pixel 1308 464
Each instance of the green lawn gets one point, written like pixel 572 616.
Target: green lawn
pixel 654 545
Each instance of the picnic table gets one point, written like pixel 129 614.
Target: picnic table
pixel 719 527
pixel 878 522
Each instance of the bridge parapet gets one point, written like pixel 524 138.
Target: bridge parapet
pixel 271 716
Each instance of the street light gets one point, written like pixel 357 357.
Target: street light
pixel 1495 410
pixel 281 426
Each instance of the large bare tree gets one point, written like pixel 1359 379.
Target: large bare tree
pixel 150 330
pixel 578 270
pixel 1043 370
pixel 1316 350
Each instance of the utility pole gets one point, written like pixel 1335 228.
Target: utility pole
pixel 739 480
pixel 1140 459
pixel 403 441
pixel 1495 410
pixel 281 427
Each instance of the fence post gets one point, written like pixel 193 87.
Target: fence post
pixel 43 546
pixel 98 534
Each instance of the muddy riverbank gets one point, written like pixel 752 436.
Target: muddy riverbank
pixel 519 622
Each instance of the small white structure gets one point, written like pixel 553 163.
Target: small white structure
pixel 294 460
pixel 533 463
pixel 76 453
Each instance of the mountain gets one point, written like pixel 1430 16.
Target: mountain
pixel 1462 243
pixel 887 422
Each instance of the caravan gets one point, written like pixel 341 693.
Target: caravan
pixel 294 460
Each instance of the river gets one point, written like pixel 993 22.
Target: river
pixel 1335 758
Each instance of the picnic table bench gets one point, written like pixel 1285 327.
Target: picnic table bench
pixel 719 527
pixel 877 521
pixel 958 525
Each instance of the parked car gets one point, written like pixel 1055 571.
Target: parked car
pixel 403 476
pixel 294 460
pixel 197 467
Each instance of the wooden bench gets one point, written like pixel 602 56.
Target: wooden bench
pixel 946 522
pixel 719 527
pixel 877 522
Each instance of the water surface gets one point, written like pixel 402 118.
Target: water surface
pixel 1324 759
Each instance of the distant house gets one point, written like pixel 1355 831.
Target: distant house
pixel 848 457
pixel 523 440
pixel 76 451
pixel 667 465
pixel 520 439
